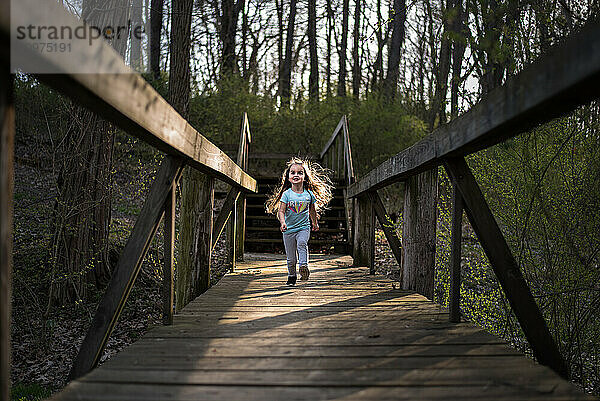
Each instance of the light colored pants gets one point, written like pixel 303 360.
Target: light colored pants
pixel 296 249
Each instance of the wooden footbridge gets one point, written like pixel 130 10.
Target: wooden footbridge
pixel 344 334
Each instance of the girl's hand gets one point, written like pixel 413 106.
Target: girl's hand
pixel 315 226
pixel 283 227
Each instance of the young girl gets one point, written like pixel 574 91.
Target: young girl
pixel 305 190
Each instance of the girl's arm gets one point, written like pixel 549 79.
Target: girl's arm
pixel 281 216
pixel 312 212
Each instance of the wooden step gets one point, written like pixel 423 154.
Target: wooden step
pixel 311 241
pixel 321 230
pixel 270 217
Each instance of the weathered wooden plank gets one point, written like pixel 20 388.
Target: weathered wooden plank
pixel 499 391
pixel 121 96
pixel 388 230
pixel 505 267
pixel 186 348
pixel 455 256
pixel 168 293
pixel 536 377
pixel 127 269
pixel 364 234
pixel 7 135
pixel 224 215
pixel 566 77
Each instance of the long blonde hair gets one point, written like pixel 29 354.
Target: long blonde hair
pixel 316 180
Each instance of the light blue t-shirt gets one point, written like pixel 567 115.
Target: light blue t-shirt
pixel 296 211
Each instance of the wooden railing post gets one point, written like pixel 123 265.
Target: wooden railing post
pixel 455 256
pixel 364 234
pixel 240 213
pixel 7 126
pixel 420 194
pixel 240 230
pixel 231 238
pixel 169 244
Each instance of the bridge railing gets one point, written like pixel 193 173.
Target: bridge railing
pixel 337 153
pixel 337 156
pixel 127 100
pixel 566 77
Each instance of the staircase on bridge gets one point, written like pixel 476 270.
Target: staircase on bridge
pixel 262 229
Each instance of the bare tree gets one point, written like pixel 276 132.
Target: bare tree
pixel 156 20
pixel 356 76
pixel 230 11
pixel 286 70
pixel 329 11
pixel 135 58
pixel 313 79
pixel 398 18
pixel 341 89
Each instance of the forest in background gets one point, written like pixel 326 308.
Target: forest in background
pixel 397 69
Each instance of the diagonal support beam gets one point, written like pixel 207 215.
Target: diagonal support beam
pixel 127 269
pixel 389 232
pixel 505 267
pixel 226 210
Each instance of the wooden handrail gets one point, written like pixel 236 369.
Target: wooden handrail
pixel 336 131
pixel 122 96
pixel 568 76
pixel 341 131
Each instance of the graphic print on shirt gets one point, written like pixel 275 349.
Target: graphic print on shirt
pixel 298 206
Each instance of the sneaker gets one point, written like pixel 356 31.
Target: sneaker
pixel 304 272
pixel 291 280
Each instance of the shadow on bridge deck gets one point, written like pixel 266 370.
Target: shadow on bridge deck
pixel 344 334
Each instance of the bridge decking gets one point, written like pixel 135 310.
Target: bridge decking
pixel 342 335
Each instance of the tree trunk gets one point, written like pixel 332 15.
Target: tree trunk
pixel 493 66
pixel 378 64
pixel 136 35
pixel 438 106
pixel 420 207
pixel 230 12
pixel 179 77
pixel 341 89
pixel 79 252
pixel 244 43
pixel 459 46
pixel 398 19
pixel 313 79
pixel 156 18
pixel 329 30
pixel 286 71
pixel 356 78
pixel 281 30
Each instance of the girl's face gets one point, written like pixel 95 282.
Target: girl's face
pixel 296 174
